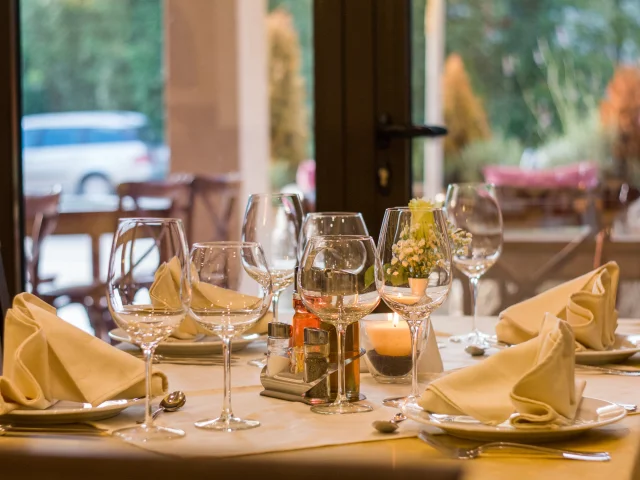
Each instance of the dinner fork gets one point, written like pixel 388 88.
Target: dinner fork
pixel 475 452
pixel 609 371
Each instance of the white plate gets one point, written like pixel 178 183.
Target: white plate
pixel 624 347
pixel 592 413
pixel 201 345
pixel 69 412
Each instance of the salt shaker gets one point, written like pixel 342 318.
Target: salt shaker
pixel 316 360
pixel 278 348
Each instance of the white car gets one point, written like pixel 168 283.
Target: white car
pixel 87 152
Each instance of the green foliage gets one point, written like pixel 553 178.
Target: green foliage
pixel 302 14
pixel 289 127
pixel 495 150
pixel 93 55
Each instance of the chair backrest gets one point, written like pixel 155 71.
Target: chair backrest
pixel 41 218
pixel 219 194
pixel 176 189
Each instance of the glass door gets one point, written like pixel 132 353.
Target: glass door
pixel 536 98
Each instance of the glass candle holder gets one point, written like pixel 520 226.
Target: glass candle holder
pixel 387 341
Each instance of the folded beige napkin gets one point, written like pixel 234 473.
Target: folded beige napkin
pixel 534 379
pixel 47 359
pixel 588 303
pixel 165 291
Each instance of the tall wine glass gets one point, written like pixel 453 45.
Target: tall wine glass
pixel 274 221
pixel 330 223
pixel 474 209
pixel 415 255
pixel 231 291
pixel 145 300
pixel 336 281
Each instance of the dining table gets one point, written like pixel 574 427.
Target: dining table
pixel 291 435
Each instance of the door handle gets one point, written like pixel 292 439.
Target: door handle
pixel 386 131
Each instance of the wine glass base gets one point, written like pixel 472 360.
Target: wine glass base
pixel 474 338
pixel 229 424
pixel 342 408
pixel 148 433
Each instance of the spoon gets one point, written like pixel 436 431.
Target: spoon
pixel 390 426
pixel 171 403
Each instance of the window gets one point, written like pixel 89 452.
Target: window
pixel 61 136
pixel 31 138
pixel 111 135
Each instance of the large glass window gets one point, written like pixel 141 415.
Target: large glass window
pixel 144 93
pixel 540 98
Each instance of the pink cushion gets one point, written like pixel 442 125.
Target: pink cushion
pixel 577 175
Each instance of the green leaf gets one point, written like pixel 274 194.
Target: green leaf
pixel 369 276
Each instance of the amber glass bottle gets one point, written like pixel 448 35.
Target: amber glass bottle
pixel 302 319
pixel 352 349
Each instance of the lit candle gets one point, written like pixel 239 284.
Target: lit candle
pixel 391 338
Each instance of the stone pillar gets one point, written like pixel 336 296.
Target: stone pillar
pixel 216 92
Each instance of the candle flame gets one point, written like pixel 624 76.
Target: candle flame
pixel 396 319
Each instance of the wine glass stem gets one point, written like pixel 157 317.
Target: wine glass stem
pixel 341 330
pixel 148 364
pixel 415 328
pixel 473 285
pixel 227 413
pixel 274 303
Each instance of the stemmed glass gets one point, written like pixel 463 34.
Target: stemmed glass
pixel 274 221
pixel 142 251
pixel 231 291
pixel 336 281
pixel 415 254
pixel 474 208
pixel 330 223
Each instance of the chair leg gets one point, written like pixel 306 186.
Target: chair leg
pixel 97 322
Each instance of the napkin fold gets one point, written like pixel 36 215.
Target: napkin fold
pixel 165 292
pixel 47 359
pixel 535 379
pixel 587 303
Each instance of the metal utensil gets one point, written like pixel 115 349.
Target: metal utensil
pixel 629 407
pixel 610 371
pixel 389 426
pixel 475 452
pixel 27 431
pixel 171 403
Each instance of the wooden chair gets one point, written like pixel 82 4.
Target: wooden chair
pixel 219 194
pixel 177 189
pixel 41 217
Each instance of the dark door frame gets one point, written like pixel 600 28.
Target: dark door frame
pixel 11 233
pixel 362 73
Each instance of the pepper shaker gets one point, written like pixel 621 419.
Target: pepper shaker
pixel 316 360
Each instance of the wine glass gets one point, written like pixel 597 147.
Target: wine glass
pixel 231 291
pixel 146 300
pixel 274 221
pixel 473 208
pixel 415 255
pixel 336 281
pixel 330 223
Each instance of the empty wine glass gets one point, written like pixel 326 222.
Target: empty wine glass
pixel 415 255
pixel 148 292
pixel 330 223
pixel 274 221
pixel 473 208
pixel 231 291
pixel 336 281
